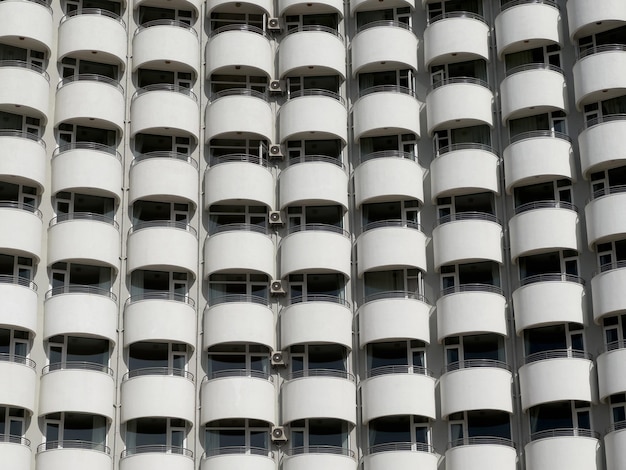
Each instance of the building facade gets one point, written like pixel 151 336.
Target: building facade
pixel 284 235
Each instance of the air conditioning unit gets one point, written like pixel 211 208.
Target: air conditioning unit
pixel 276 288
pixel 275 151
pixel 278 359
pixel 273 24
pixel 276 86
pixel 279 434
pixel 276 218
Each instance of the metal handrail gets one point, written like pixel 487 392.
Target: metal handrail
pixel 604 118
pixel 469 215
pixel 512 3
pixel 552 277
pixel 227 450
pixel 318 228
pixel 161 295
pixel 21 206
pixel 471 287
pixel 615 264
pixel 238 157
pixel 618 426
pixel 22 134
pixel 558 354
pixel 165 154
pixel 455 80
pixel 239 228
pixel 396 294
pixel 87 146
pixel 387 89
pixel 94 11
pixel 399 369
pixel 6 357
pixel 599 49
pixel 166 22
pixel 319 298
pixel 539 133
pixel 533 66
pixel 164 224
pixel 91 77
pixel 73 444
pixel 80 289
pixel 475 363
pixel 77 365
pixel 401 446
pixel 243 372
pixel 239 92
pixel 25 65
pixel 481 440
pixel 14 439
pixel 458 14
pixel 384 23
pixel 317 92
pixel 162 449
pixel 387 154
pixel 238 27
pixel 242 298
pixel 614 345
pixel 316 27
pixel 465 146
pixel 339 374
pixel 92 216
pixel 392 223
pixel 319 450
pixel 159 371
pixel 564 432
pixel 550 204
pixel 20 281
pixel 316 158
pixel 615 189
pixel 166 87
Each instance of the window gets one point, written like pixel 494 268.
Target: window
pixel 78 5
pixel 396 213
pixel 16 269
pixel 159 285
pixel 249 360
pixel 14 345
pixel 408 283
pixel 254 83
pixel 318 359
pixel 553 124
pixel 392 80
pixel 318 436
pixel 72 69
pixel 73 133
pixel 561 416
pixel 388 17
pixel 76 352
pixel 162 145
pixel 436 9
pixel 614 332
pixel 328 218
pixel 12 424
pixel 19 196
pixel 403 145
pixel 231 217
pixel 71 206
pixel 29 125
pixel 244 21
pixel 448 140
pixel 470 276
pixel 74 277
pixel 467 206
pixel 34 58
pixel 618 411
pixel 399 433
pixel 327 85
pixel 474 351
pixel 248 150
pixel 556 193
pixel 151 358
pixel 553 266
pixel 474 70
pixel 611 255
pixel 180 81
pixel 316 287
pixel 468 427
pixel 166 435
pixel 323 21
pixel 407 356
pixel 548 55
pixel 75 430
pixel 145 212
pixel 314 150
pixel 237 436
pixel 588 44
pixel 239 287
pixel 565 340
pixel 608 182
pixel 149 16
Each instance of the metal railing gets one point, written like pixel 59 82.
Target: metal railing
pixel 457 80
pixel 21 206
pixel 247 450
pixel 614 345
pixel 384 23
pixel 14 439
pixel 539 133
pixel 319 298
pixel 22 134
pixel 77 365
pixel 386 154
pixel 387 89
pixel 6 357
pixel 529 206
pixel 338 374
pixel 618 426
pixel 81 289
pixel 472 287
pixel 401 446
pixel 166 22
pixel 92 216
pixel 557 354
pixel 534 66
pixel 319 450
pixel 615 264
pixel 20 281
pixel 161 295
pixel 94 11
pixel 458 14
pixel 239 92
pixel 183 90
pixel 159 371
pixel 552 277
pixel 399 369
pixel 238 157
pixel 469 215
pixel 615 189
pixel 315 27
pixel 564 432
pixel 512 3
pixel 165 154
pixel 605 118
pixel 317 92
pixel 316 158
pixel 243 372
pixel 395 294
pixel 163 224
pixel 318 228
pixel 96 147
pixel 238 27
pixel 25 65
pixel 241 298
pixel 482 440
pixel 392 223
pixel 465 146
pixel 73 444
pixel 91 77
pixel 263 229
pixel 475 363
pixel 599 49
pixel 161 449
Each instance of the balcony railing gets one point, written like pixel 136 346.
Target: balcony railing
pixel 393 223
pixel 339 374
pixel 91 77
pixel 317 92
pixel 20 281
pixel 471 287
pixel 163 224
pixel 614 345
pixel 534 66
pixel 238 27
pixel 165 154
pixel 387 89
pixel 615 264
pixel 552 277
pixel 315 27
pixel 77 365
pixel 395 294
pixel 183 90
pixel 160 449
pixel 558 354
pixel 243 372
pixel 22 134
pixel 564 432
pixel 25 65
pixel 160 371
pixel 399 369
pixel 319 298
pixel 512 3
pixel 166 22
pixel 457 80
pixel 21 206
pixel 615 189
pixel 587 51
pixel 319 450
pixel 74 444
pixel 262 95
pixel 401 446
pixel 94 11
pixel 475 363
pixel 481 440
pixel 242 227
pixel 618 426
pixel 458 14
pixel 319 228
pixel 465 146
pixel 81 289
pixel 239 450
pixel 96 147
pixel 14 439
pixel 386 154
pixel 605 118
pixel 385 23
pixel 469 215
pixel 539 133
pixel 240 298
pixel 6 357
pixel 545 205
pixel 161 295
pixel 316 158
pixel 92 216
pixel 238 158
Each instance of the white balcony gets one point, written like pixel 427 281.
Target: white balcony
pixel 84 237
pixel 316 248
pixel 471 309
pixel 362 5
pixel 482 453
pixel 239 177
pixel 477 384
pixel 390 42
pixel 386 109
pixel 605 217
pixel 526 25
pixel 403 457
pixel 237 111
pixel 24 86
pixel 300 50
pixel 463 35
pixel 90 33
pixel 80 387
pixel 611 381
pixel 591 86
pixel 564 450
pixel 547 299
pixel 614 444
pixel 532 89
pixel 608 293
pixel 73 455
pixel 166 45
pixel 20 373
pixel 163 246
pixel 459 102
pixel 16 454
pixel 388 176
pixel 318 319
pixel 464 169
pixel 83 310
pixel 397 390
pixel 313 111
pixel 394 315
pixel 600 144
pixel 157 458
pixel 314 459
pixel 239 320
pixel 314 182
pixel 37 31
pixel 243 248
pixel 557 375
pixel 319 394
pixel 585 18
pixel 18 303
pixel 239 461
pixel 238 394
pixel 21 229
pixel 23 155
pixel 151 392
pixel 87 165
pixel 168 174
pixel 467 237
pixel 160 317
pixel 194 5
pixel 239 46
pixel 525 162
pixel 391 244
pixel 543 226
pixel 294 7
pixel 90 100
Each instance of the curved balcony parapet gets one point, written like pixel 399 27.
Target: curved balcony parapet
pixel 14 440
pixel 166 22
pixel 20 281
pixel 534 66
pixel 165 154
pixel 455 80
pixel 465 146
pixel 91 77
pixel 317 92
pixel 87 146
pixel 239 27
pixel 83 216
pixel 239 228
pixel 73 444
pixel 401 446
pixel 387 23
pixel 77 365
pixel 552 277
pixel 564 432
pixel 316 27
pixel 458 14
pixel 471 215
pixel 80 289
pixel 22 134
pixel 545 205
pixel 316 158
pixel 557 354
pixel 599 49
pixel 254 374
pixel 239 92
pixel 539 133
pixel 473 363
pixel 93 11
pixel 602 119
pixel 471 287
pixel 387 89
pixel 482 440
pixel 318 228
pixel 386 154
pixel 166 87
pixel 399 369
pixel 238 158
pixel 21 206
pixel 338 374
pixel 44 3
pixel 165 224
pixel 165 371
pixel 319 450
pixel 161 296
pixel 239 298
pixel 25 65
pixel 160 449
pixel 5 357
